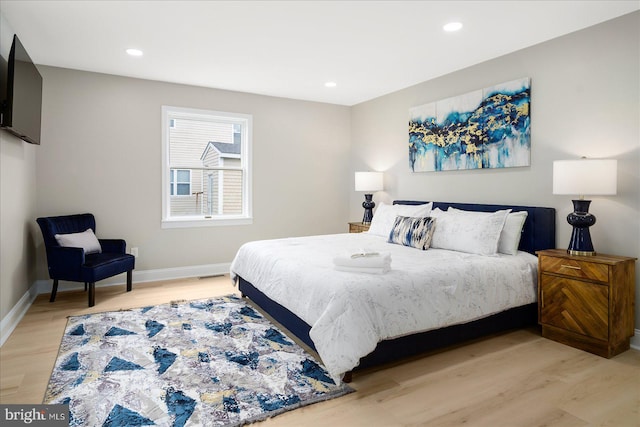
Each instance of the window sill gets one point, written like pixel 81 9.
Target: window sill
pixel 191 222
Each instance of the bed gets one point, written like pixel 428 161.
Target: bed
pixel 355 321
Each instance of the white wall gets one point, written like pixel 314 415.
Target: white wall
pixel 585 97
pixel 17 207
pixel 101 153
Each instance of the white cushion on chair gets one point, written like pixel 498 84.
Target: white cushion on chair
pixel 85 240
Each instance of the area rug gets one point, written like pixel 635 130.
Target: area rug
pixel 215 362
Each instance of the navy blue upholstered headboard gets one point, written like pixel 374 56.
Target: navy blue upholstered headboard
pixel 539 230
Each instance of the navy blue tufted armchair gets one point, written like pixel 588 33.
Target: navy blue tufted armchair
pixel 101 259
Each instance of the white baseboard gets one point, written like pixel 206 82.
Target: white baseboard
pixel 11 320
pixel 635 340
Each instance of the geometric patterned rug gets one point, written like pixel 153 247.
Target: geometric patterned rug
pixel 215 362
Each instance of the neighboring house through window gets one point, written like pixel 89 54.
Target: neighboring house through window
pixel 206 168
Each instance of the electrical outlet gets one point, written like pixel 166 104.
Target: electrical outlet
pixel 134 252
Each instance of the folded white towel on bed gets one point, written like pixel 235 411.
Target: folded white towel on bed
pixel 364 259
pixel 368 270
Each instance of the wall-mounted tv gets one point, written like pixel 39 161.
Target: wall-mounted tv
pixel 22 95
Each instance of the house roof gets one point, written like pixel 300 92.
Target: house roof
pixel 224 149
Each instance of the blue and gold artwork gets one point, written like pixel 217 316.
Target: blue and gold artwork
pixel 487 128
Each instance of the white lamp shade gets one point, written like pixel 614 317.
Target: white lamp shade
pixel 369 181
pixel 594 177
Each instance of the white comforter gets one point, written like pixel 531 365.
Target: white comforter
pixel 350 313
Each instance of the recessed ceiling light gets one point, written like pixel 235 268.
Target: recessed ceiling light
pixel 452 26
pixel 134 52
pixel 330 84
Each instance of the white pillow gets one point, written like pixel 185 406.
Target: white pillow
pixel 467 231
pixel 85 240
pixel 511 233
pixel 385 216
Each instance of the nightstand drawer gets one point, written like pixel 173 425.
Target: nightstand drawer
pixel 574 268
pixel 575 306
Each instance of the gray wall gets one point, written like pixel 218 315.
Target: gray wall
pixel 101 153
pixel 17 211
pixel 17 207
pixel 584 102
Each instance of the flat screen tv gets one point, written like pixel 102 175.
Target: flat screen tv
pixel 22 89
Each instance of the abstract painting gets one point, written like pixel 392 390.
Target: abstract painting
pixel 486 128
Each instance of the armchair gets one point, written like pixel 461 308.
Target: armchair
pixel 73 264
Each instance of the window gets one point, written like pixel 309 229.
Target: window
pixel 206 174
pixel 180 182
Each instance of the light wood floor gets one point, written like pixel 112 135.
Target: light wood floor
pixel 514 379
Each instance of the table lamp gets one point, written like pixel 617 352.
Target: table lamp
pixel 369 182
pixel 596 177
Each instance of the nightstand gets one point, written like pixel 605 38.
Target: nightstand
pixel 587 302
pixel 358 227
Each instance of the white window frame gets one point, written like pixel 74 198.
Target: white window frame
pixel 246 217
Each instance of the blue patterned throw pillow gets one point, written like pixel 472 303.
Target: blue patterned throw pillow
pixel 413 232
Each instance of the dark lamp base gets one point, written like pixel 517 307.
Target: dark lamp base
pixel 581 220
pixel 368 206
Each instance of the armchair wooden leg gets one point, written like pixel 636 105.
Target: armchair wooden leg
pixel 92 294
pixel 54 290
pixel 129 280
pixel 85 286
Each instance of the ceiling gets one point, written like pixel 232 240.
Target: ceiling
pixel 291 48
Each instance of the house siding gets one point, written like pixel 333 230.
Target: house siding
pixel 187 143
pixel 232 195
